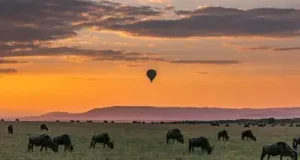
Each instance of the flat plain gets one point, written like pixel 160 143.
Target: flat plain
pixel 139 141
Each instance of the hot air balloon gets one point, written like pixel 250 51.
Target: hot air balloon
pixel 151 74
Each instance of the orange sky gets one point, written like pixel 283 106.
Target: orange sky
pixel 63 74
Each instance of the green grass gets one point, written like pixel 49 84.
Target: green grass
pixel 139 141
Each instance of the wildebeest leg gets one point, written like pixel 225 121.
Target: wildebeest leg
pixel 280 157
pixel 41 148
pixel 262 155
pixel 65 147
pixel 269 157
pixel 46 148
pixel 173 141
pixel 92 144
pixel 103 145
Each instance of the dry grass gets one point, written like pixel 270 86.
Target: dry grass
pixel 139 141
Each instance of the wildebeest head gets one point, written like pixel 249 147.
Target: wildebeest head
pixel 227 138
pixel 71 147
pixel 181 139
pixel 210 149
pixel 253 138
pixel 110 144
pixel 295 143
pixel 54 147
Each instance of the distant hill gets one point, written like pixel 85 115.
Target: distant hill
pixel 129 113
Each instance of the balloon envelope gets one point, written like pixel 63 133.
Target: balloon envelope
pixel 151 74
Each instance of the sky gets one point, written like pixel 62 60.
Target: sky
pixel 75 55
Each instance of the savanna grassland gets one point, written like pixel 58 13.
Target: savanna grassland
pixel 139 141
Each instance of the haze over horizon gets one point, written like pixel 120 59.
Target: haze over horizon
pixel 73 56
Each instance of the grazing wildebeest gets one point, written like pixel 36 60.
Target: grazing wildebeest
pixel 227 125
pixel 64 140
pixel 2 120
pixel 282 124
pixel 279 149
pixel 291 125
pixel 175 134
pixel 273 125
pixel 296 141
pixel 89 121
pixel 215 124
pixel 248 134
pixel 261 125
pixel 72 121
pixel 44 127
pixel 10 129
pixel 77 121
pixel 57 120
pixel 200 142
pixel 246 126
pixel 102 138
pixel 42 140
pixel 297 125
pixel 223 134
pixel 17 120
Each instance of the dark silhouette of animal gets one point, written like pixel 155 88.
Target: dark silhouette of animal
pixel 72 121
pixel 296 141
pixel 102 138
pixel 291 125
pixel 215 124
pixel 273 125
pixel 282 124
pixel 64 140
pixel 17 120
pixel 57 120
pixel 297 125
pixel 77 121
pixel 200 142
pixel 2 120
pixel 89 121
pixel 248 135
pixel 223 134
pixel 279 149
pixel 44 127
pixel 42 140
pixel 174 134
pixel 246 126
pixel 10 129
pixel 261 125
pixel 227 125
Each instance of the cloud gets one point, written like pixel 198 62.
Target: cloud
pixel 219 21
pixel 262 47
pixel 7 70
pixel 215 62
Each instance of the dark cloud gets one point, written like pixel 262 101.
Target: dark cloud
pixel 264 47
pixel 218 21
pixel 3 61
pixel 216 62
pixel 7 70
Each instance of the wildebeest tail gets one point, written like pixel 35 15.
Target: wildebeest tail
pixel 294 143
pixel 190 145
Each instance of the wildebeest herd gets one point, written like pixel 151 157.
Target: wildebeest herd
pixel 281 149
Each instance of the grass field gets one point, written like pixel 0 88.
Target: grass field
pixel 139 141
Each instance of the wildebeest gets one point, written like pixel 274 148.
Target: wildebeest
pixel 282 124
pixel 246 126
pixel 215 124
pixel 89 121
pixel 296 141
pixel 291 125
pixel 223 134
pixel 44 127
pixel 57 121
pixel 17 120
pixel 10 129
pixel 102 138
pixel 278 149
pixel 174 134
pixel 2 120
pixel 64 140
pixel 261 125
pixel 77 121
pixel 248 134
pixel 297 125
pixel 42 140
pixel 226 125
pixel 200 142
